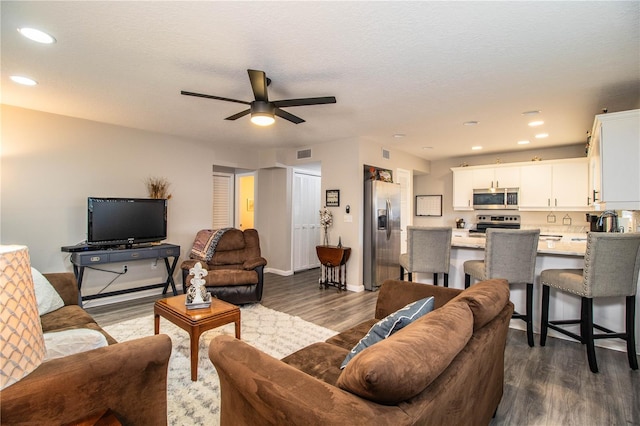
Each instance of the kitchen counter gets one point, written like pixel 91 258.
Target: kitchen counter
pixel 566 246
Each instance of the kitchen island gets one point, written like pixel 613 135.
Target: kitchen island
pixel 554 252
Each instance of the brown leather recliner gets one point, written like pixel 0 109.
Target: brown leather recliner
pixel 235 271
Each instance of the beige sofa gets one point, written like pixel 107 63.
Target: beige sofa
pixel 447 367
pixel 129 378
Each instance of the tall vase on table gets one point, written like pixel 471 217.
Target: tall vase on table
pixel 326 220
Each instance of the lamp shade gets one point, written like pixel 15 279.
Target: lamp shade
pixel 21 340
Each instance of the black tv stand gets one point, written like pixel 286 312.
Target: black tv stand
pixel 83 256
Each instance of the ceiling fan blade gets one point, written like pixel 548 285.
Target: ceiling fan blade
pixel 259 85
pixel 304 101
pixel 200 95
pixel 287 116
pixel 238 115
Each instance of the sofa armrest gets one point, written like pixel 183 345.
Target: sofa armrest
pixel 259 389
pixel 130 378
pixel 66 285
pixel 395 294
pixel 254 263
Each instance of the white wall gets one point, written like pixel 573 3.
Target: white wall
pixel 52 163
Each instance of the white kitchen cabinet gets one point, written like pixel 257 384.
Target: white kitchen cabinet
pixel 555 185
pixel 462 189
pixel 497 177
pixel 544 185
pixel 535 186
pixel 614 156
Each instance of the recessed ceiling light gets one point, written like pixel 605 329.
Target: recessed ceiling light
pixel 23 80
pixel 399 135
pixel 476 148
pixel 542 135
pixel 427 147
pixel 532 112
pixel 536 123
pixel 37 35
pixel 523 142
pixel 470 123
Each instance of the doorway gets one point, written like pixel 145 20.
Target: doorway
pixel 245 200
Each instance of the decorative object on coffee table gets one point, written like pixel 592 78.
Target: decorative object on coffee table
pixel 197 296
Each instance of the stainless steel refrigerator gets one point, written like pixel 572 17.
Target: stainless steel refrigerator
pixel 381 232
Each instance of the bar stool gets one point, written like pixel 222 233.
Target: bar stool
pixel 428 251
pixel 509 254
pixel 611 266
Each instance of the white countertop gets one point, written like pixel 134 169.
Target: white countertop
pixel 567 245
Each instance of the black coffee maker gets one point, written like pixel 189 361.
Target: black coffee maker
pixel 605 222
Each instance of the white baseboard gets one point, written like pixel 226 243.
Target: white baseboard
pixel 279 272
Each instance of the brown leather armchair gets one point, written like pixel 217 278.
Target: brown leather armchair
pixel 235 271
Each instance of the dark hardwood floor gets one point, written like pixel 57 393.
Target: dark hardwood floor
pixel 549 385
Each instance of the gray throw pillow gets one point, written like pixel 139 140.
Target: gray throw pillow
pixel 389 325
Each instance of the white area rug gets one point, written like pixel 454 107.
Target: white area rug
pixel 198 403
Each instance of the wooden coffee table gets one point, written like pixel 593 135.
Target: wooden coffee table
pixel 195 321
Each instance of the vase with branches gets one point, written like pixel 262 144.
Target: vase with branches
pixel 326 220
pixel 158 187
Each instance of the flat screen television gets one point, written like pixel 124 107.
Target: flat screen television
pixel 125 221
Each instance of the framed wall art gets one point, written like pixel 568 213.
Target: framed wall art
pixel 332 198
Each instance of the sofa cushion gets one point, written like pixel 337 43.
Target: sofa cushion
pixel 320 360
pixel 72 341
pixel 47 297
pixel 224 277
pixel 348 338
pixel 391 324
pixel 403 365
pixel 486 299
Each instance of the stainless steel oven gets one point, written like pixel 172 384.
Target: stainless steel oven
pixel 486 221
pixel 495 199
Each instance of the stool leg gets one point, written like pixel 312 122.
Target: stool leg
pixel 529 315
pixel 467 280
pixel 544 319
pixel 435 279
pixel 410 276
pixel 631 332
pixel 401 273
pixel 446 280
pixel 587 318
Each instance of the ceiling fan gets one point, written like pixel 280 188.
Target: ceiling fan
pixel 262 110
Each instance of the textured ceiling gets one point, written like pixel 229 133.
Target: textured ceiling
pixel 416 68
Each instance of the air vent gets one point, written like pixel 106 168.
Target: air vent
pixel 386 154
pixel 304 153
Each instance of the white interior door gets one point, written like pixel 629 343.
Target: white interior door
pixel 245 199
pixel 306 220
pixel 404 178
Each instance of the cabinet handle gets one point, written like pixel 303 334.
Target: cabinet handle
pixel 548 202
pixel 594 196
pixel 556 202
pixel 497 184
pixel 588 201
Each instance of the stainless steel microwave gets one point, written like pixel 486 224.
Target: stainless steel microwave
pixel 495 199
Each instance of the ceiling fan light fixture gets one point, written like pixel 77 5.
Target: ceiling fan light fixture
pixel 262 113
pixel 262 119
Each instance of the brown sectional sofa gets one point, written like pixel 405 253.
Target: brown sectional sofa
pixel 130 378
pixel 444 368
